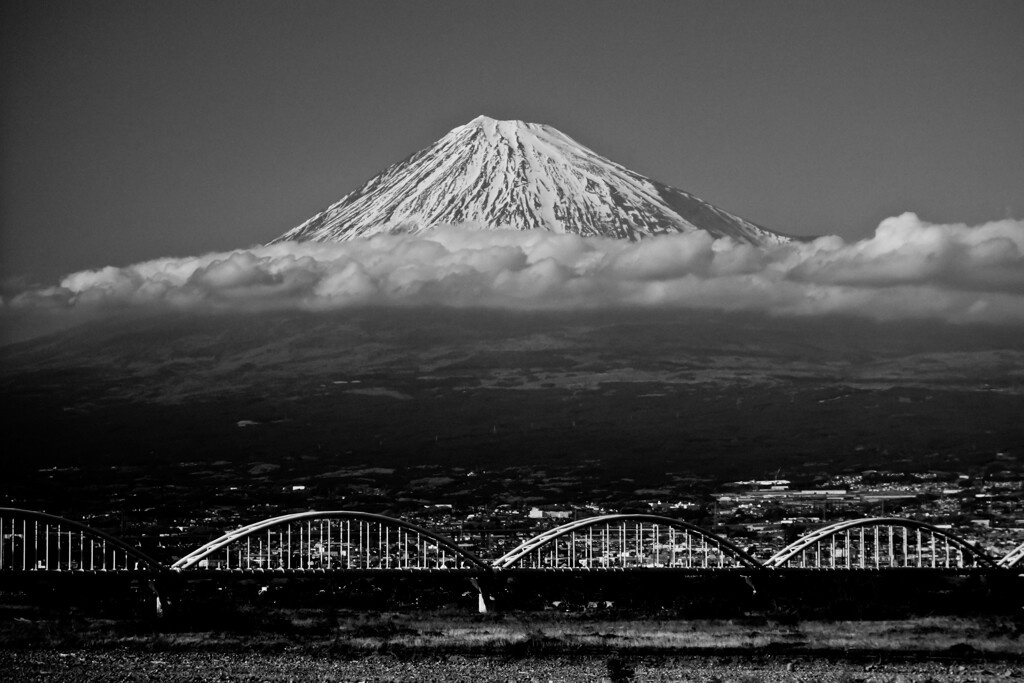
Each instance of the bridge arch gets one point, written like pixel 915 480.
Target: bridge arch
pixel 1014 558
pixel 880 543
pixel 330 541
pixel 626 541
pixel 37 541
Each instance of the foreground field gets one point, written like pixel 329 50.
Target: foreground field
pixel 301 645
pixel 129 665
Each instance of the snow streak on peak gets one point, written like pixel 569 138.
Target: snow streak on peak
pixel 512 174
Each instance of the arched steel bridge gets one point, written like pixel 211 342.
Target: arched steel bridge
pixel 334 540
pixel 31 540
pixel 1014 558
pixel 342 540
pixel 626 541
pixel 880 543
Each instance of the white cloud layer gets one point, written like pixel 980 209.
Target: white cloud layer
pixel 908 269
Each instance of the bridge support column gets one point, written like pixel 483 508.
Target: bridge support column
pixel 166 588
pixel 481 605
pixel 159 601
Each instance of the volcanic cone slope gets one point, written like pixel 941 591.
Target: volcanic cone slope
pixel 511 174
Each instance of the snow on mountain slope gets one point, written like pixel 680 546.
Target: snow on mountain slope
pixel 511 174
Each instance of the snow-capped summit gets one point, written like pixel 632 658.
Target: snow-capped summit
pixel 512 174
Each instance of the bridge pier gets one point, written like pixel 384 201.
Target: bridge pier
pixel 484 603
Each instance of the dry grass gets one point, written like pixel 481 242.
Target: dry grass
pixel 997 636
pixel 529 634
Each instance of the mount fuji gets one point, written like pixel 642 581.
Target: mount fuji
pixel 525 176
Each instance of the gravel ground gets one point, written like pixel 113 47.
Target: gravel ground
pixel 127 665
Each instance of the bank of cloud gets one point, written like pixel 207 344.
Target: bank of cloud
pixel 908 269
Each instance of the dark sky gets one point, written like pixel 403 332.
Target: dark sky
pixel 133 130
